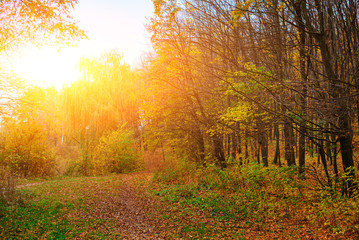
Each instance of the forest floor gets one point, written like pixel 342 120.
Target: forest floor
pixel 133 206
pixel 79 208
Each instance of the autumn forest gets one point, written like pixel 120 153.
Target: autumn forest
pixel 241 122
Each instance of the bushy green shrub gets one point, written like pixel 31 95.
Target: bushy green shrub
pixel 116 153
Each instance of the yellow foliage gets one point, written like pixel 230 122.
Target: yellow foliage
pixel 116 153
pixel 107 95
pixel 26 150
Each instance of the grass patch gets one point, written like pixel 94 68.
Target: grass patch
pixel 60 209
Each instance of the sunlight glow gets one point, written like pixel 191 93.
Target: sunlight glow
pixel 119 25
pixel 54 66
pixel 47 66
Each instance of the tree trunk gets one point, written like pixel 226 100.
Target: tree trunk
pixel 200 154
pixel 258 153
pixel 288 140
pixel 328 147
pixel 246 153
pixel 304 80
pixel 311 150
pixel 239 144
pixel 234 146
pixel 277 149
pixel 346 147
pixel 334 152
pixel 263 143
pixel 218 151
pixel 302 152
pixel 228 146
pixel 324 162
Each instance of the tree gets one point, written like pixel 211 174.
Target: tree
pixel 32 22
pixel 26 150
pixel 105 97
pixel 116 153
pixel 27 136
pixel 37 22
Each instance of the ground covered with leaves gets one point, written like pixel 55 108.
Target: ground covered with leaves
pixel 77 208
pixel 250 203
pixel 210 203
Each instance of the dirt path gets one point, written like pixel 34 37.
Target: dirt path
pixel 132 216
pixel 107 207
pixel 112 201
pixel 126 215
pixel 28 185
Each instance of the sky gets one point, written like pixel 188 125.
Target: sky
pixel 109 24
pixel 115 24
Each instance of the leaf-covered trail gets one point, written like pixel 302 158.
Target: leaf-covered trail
pixel 107 207
pixel 101 207
pixel 123 214
pixel 129 211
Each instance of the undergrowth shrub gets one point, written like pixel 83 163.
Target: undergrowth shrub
pixel 67 161
pixel 213 177
pixel 7 186
pixel 26 150
pixel 167 175
pixel 259 192
pixel 173 171
pixel 116 153
pixel 71 167
pixel 335 211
